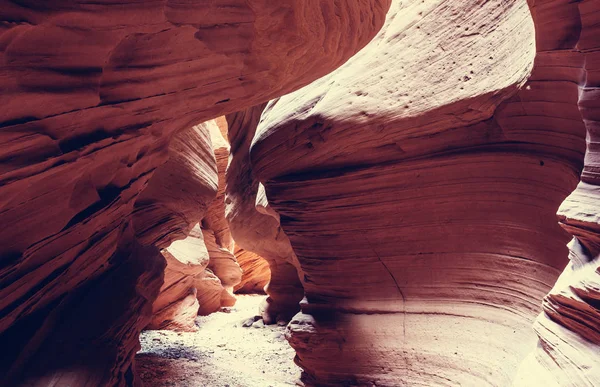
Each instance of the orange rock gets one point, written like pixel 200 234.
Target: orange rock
pixel 418 186
pixel 176 306
pixel 256 231
pixel 568 349
pixel 91 94
pixel 256 272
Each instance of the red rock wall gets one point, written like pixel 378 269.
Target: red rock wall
pixel 418 186
pixel 176 306
pixel 91 94
pixel 568 352
pixel 255 272
pixel 219 241
pixel 255 231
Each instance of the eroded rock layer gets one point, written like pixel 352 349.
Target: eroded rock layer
pixel 418 186
pixel 200 272
pixel 568 352
pixel 92 92
pixel 217 236
pixel 173 203
pixel 176 306
pixel 256 231
pixel 255 272
pixel 180 190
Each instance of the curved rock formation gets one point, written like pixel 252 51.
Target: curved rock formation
pixel 214 225
pixel 176 306
pixel 255 272
pixel 568 352
pixel 255 231
pixel 215 216
pixel 200 272
pixel 180 190
pixel 173 202
pixel 92 92
pixel 418 185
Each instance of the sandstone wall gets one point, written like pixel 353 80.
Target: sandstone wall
pixel 418 185
pixel 91 95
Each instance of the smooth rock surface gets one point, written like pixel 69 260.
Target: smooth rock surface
pixel 257 231
pixel 568 350
pixel 256 272
pixel 215 227
pixel 92 93
pixel 418 186
pixel 176 306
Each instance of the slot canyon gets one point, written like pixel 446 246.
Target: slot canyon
pixel 402 193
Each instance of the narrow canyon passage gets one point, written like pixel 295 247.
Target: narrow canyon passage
pixel 413 187
pixel 222 353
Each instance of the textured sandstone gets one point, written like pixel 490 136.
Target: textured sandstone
pixel 215 227
pixel 92 92
pixel 180 190
pixel 215 216
pixel 201 271
pixel 420 197
pixel 176 306
pixel 256 272
pixel 411 194
pixel 568 352
pixel 88 337
pixel 256 231
pixel 176 199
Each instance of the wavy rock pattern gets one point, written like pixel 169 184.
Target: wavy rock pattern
pixel 420 197
pixel 257 231
pixel 568 353
pixel 180 190
pixel 219 241
pixel 176 306
pixel 174 201
pixel 255 272
pixel 92 92
pixel 200 273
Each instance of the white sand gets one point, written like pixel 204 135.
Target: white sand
pixel 221 353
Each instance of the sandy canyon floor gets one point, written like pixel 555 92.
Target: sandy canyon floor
pixel 222 353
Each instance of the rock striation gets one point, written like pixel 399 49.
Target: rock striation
pixel 423 195
pixel 568 350
pixel 255 272
pixel 405 203
pixel 177 306
pixel 218 238
pixel 255 230
pixel 92 94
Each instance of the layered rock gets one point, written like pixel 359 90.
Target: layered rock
pixel 176 306
pixel 220 244
pixel 215 216
pixel 179 194
pixel 180 190
pixel 568 352
pixel 88 336
pixel 418 186
pixel 257 231
pixel 255 272
pixel 91 95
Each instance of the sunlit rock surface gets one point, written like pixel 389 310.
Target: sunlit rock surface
pixel 176 306
pixel 418 185
pixel 257 231
pixel 568 352
pixel 92 93
pixel 256 272
pixel 173 203
pixel 217 236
